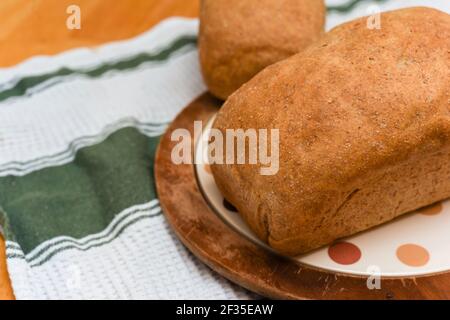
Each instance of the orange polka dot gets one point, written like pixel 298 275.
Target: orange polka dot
pixel 344 253
pixel 413 255
pixel 208 168
pixel 432 210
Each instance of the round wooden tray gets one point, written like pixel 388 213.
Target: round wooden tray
pixel 245 263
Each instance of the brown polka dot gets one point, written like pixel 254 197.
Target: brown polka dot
pixel 229 206
pixel 432 210
pixel 208 168
pixel 413 255
pixel 344 253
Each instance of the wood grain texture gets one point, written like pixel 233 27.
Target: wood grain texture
pixel 38 27
pixel 6 292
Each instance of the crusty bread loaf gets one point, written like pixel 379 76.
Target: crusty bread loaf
pixel 364 120
pixel 240 38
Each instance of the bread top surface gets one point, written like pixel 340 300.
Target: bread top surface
pixel 240 38
pixel 348 108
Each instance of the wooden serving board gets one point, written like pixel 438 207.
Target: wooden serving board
pixel 246 263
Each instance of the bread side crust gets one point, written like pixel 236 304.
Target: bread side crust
pixel 351 119
pixel 394 192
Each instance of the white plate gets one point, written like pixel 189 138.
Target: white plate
pixel 413 245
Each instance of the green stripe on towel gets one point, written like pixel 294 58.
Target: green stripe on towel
pixel 82 197
pixel 24 85
pixel 349 6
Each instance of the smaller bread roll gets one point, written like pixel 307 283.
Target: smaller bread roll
pixel 239 38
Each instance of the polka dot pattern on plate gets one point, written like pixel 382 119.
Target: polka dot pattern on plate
pixel 432 210
pixel 344 253
pixel 413 255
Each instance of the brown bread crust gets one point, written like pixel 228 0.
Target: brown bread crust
pixel 240 38
pixel 364 120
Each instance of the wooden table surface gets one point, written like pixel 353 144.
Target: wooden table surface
pixel 38 27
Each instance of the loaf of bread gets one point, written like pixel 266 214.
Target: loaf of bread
pixel 364 123
pixel 240 38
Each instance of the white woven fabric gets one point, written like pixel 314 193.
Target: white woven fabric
pixel 145 262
